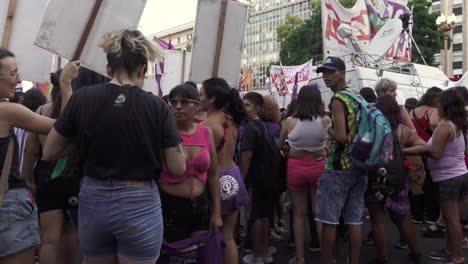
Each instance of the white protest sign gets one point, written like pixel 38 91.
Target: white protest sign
pixel 173 67
pixel 206 38
pixel 64 22
pixel 34 64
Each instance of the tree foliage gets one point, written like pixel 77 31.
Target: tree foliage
pixel 425 32
pixel 284 30
pixel 305 42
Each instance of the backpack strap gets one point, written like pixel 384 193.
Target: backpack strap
pixel 6 169
pixel 355 97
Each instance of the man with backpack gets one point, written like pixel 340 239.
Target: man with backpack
pixel 259 165
pixel 341 188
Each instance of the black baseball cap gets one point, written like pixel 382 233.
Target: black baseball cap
pixel 332 63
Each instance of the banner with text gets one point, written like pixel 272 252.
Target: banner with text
pixel 305 72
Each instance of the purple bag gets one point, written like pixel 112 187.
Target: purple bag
pixel 205 248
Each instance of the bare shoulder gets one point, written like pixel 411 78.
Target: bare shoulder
pixel 326 120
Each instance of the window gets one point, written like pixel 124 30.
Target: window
pixel 178 40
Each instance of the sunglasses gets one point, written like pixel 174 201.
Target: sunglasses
pixel 183 102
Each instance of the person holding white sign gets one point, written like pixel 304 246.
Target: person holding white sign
pixel 19 226
pixel 124 134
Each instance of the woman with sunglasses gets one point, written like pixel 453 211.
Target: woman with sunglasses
pixel 186 207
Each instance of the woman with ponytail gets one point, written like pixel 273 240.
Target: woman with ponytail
pixel 225 113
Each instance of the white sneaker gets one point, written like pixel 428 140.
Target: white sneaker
pixel 281 230
pixel 250 259
pixel 275 237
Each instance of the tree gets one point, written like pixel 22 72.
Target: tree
pixel 425 32
pixel 284 31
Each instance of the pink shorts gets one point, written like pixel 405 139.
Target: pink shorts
pixel 304 173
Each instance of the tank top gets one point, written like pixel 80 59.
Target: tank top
pixel 199 165
pixel 424 121
pixel 340 154
pixel 307 135
pixel 15 180
pixel 452 163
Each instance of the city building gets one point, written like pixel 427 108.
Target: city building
pixel 180 36
pixel 458 53
pixel 260 45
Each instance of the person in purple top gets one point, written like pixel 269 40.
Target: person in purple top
pixel 448 170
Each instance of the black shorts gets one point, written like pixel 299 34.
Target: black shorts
pixel 60 193
pixel 183 216
pixel 262 204
pixel 452 189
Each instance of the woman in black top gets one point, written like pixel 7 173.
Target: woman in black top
pixel 123 134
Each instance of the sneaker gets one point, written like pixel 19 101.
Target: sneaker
pixel 400 245
pixel 291 243
pixel 275 237
pixel 368 242
pixel 272 250
pixel 417 221
pixel 433 231
pixel 296 261
pixel 452 261
pixel 439 255
pixel 250 259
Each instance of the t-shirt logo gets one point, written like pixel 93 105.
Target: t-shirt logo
pixel 120 100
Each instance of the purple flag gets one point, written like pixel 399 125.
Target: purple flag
pixel 294 93
pixel 160 63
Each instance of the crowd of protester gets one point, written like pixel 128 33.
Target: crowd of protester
pixel 109 173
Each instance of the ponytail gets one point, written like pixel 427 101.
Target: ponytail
pixel 236 107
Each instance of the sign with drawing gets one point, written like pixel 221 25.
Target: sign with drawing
pixel 77 27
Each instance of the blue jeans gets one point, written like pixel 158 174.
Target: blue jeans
pixel 19 224
pixel 341 192
pixel 120 218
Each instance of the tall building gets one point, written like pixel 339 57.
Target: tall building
pixel 457 51
pixel 260 46
pixel 180 36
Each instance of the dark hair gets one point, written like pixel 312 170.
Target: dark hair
pixel 309 103
pixel 226 98
pixel 166 98
pixel 191 83
pixel 453 108
pixel 55 94
pixel 33 98
pixel 270 110
pixel 255 98
pixel 291 108
pixel 16 97
pixel 87 77
pixel 463 92
pixel 185 91
pixel 430 97
pixel 388 105
pixel 368 94
pixel 4 53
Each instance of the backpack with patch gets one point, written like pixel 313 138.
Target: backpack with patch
pixel 391 177
pixel 373 143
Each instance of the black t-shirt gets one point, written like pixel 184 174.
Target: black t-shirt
pixel 121 131
pixel 253 139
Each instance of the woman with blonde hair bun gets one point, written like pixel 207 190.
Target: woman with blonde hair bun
pixel 124 135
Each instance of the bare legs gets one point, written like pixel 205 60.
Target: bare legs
pixel 230 255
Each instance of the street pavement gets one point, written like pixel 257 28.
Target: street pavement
pixel 397 256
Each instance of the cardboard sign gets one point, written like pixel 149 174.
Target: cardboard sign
pixel 64 23
pixel 205 41
pixel 34 63
pixel 173 68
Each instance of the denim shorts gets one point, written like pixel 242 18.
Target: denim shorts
pixel 120 218
pixel 19 224
pixel 341 192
